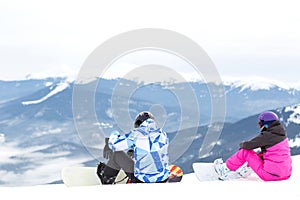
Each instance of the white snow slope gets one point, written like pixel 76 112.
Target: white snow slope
pixel 189 188
pixel 59 88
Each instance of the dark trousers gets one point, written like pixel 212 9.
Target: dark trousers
pixel 119 160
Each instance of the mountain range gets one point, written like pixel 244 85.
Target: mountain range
pixel 39 134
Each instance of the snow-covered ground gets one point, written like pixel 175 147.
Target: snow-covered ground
pixel 189 188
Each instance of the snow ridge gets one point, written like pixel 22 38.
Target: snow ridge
pixel 59 88
pixel 255 83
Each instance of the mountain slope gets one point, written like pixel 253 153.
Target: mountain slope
pixel 15 89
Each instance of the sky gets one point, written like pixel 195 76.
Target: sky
pixel 243 38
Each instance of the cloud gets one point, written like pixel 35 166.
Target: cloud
pixel 40 168
pixel 2 138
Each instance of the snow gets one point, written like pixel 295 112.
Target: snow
pixel 294 142
pixel 40 133
pixel 59 88
pixel 255 83
pixel 189 188
pixel 295 116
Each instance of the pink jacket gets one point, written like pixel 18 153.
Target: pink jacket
pixel 276 163
pixel 277 159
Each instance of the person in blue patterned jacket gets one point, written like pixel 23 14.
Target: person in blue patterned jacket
pixel 142 153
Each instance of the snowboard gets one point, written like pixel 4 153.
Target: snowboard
pixel 80 176
pixel 206 172
pixel 87 176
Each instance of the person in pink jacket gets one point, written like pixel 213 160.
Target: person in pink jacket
pixel 272 163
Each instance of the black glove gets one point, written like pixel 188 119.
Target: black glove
pixel 130 153
pixel 107 152
pixel 241 145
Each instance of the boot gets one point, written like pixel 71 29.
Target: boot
pixel 106 174
pixel 244 171
pixel 221 169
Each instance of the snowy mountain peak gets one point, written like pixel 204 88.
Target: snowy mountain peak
pixel 255 83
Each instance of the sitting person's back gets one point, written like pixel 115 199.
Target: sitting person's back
pixel 150 161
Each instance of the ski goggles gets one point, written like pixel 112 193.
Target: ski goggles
pixel 261 123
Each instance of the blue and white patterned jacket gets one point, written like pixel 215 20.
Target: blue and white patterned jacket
pixel 150 146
